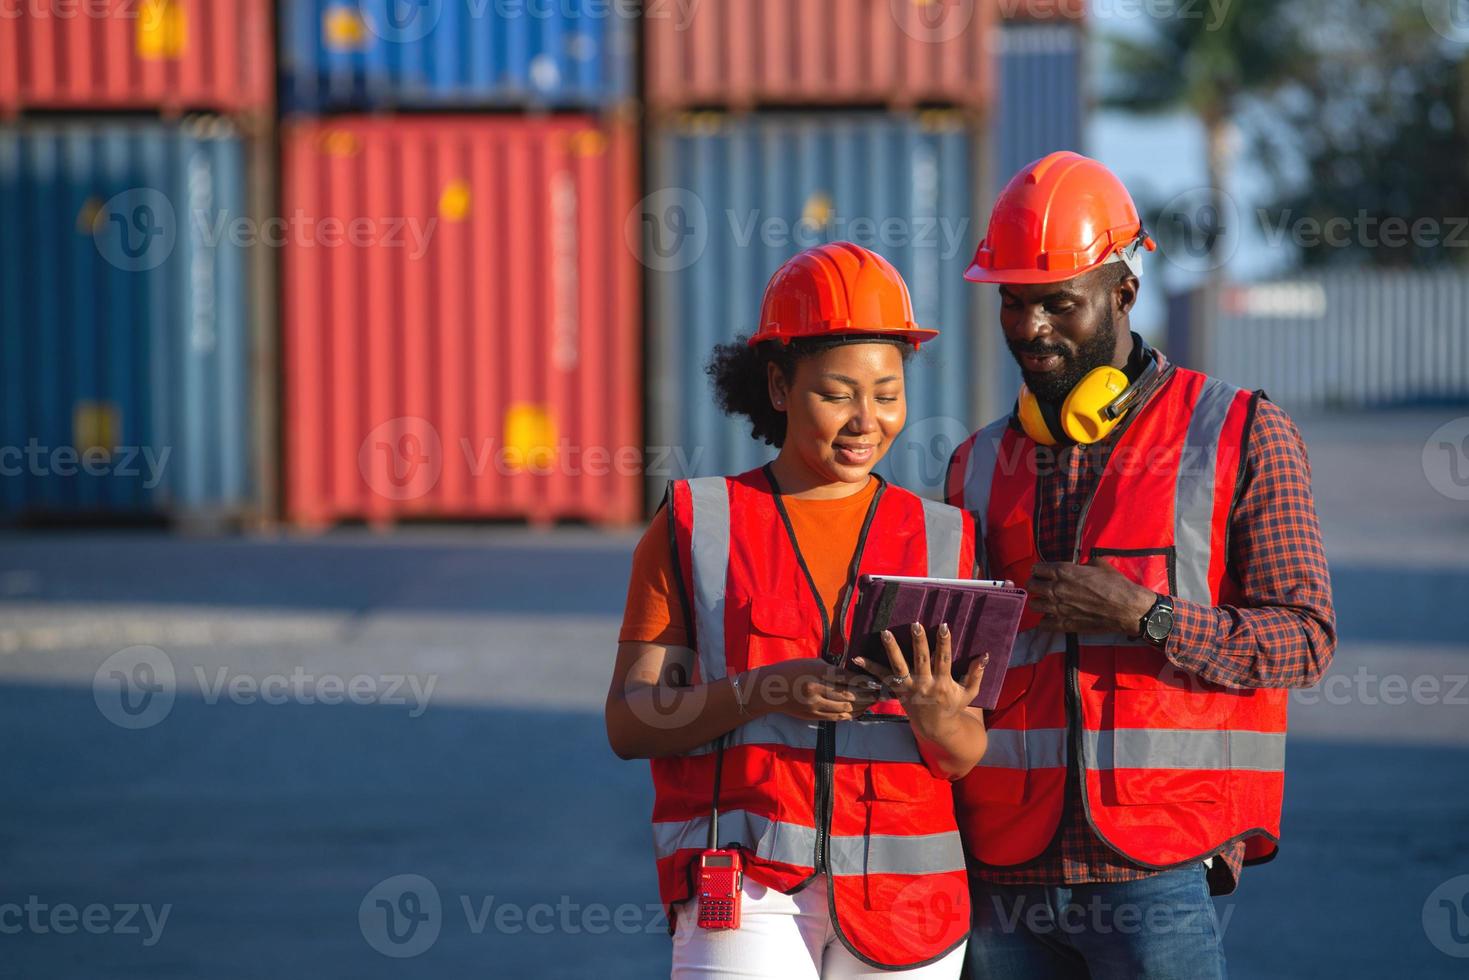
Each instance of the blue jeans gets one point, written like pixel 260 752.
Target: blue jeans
pixel 1159 928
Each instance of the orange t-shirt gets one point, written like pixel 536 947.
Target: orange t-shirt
pixel 826 530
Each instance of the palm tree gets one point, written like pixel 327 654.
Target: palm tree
pixel 1210 60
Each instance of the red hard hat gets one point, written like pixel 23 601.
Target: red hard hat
pixel 1061 216
pixel 836 289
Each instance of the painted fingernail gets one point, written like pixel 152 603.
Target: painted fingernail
pixel 943 629
pixel 887 634
pixel 917 629
pixel 984 660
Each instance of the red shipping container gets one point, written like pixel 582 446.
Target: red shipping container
pixel 136 54
pixel 461 319
pixel 747 53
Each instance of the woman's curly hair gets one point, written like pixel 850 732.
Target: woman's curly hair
pixel 739 373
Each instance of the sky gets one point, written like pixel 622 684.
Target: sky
pixel 1161 159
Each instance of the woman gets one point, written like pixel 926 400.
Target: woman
pixel 836 798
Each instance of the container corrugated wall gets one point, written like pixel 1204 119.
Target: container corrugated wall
pixel 137 54
pixel 735 197
pixel 123 318
pixel 748 53
pixel 1345 339
pixel 342 54
pixel 1041 104
pixel 473 350
pixel 1040 108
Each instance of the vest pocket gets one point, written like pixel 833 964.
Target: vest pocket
pixel 1151 568
pixel 776 632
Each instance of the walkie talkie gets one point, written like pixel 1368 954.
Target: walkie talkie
pixel 721 870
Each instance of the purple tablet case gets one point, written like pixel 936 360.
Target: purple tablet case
pixel 982 618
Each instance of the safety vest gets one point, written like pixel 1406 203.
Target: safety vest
pixel 1172 767
pixel 852 800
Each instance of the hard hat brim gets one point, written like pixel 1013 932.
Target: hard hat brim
pixel 1023 277
pixel 914 335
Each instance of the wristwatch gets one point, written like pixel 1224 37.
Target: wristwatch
pixel 1158 623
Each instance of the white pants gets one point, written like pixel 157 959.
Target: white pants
pixel 781 937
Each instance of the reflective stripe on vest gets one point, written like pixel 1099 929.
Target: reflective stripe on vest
pixel 794 844
pixel 711 561
pixel 1139 748
pixel 1186 748
pixel 1193 512
pixel 944 528
pixel 1025 748
pixel 865 739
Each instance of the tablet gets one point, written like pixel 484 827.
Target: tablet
pixel 983 617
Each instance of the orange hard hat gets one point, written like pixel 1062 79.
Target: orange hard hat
pixel 836 289
pixel 1061 216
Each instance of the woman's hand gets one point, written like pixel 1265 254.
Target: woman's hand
pixel 811 689
pixel 934 701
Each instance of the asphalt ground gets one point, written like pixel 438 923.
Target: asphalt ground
pixel 315 718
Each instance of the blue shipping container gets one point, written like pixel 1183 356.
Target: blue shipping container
pixel 735 197
pixel 123 319
pixel 364 54
pixel 1041 109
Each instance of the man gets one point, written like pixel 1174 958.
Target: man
pixel 1163 524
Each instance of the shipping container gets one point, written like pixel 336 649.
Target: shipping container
pixel 137 54
pixel 1042 102
pixel 1040 108
pixel 346 54
pixel 735 197
pixel 461 320
pixel 1342 339
pixel 751 53
pixel 123 318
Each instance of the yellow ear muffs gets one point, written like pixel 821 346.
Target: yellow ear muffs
pixel 1033 419
pixel 1082 418
pixel 1082 415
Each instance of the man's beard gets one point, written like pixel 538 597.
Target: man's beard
pixel 1054 386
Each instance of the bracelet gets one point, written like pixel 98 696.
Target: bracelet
pixel 734 683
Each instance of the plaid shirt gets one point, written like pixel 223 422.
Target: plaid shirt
pixel 1281 635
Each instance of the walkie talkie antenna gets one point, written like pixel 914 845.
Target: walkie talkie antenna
pixel 714 806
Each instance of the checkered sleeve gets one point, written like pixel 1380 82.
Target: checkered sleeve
pixel 1282 633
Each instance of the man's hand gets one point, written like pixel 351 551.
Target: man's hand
pixel 1091 598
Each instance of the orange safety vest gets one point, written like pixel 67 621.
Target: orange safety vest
pixel 852 800
pixel 1172 767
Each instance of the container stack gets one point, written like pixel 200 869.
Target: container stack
pixel 778 126
pixel 474 353
pixel 1040 107
pixel 126 307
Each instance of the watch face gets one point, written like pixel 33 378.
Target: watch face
pixel 1160 624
